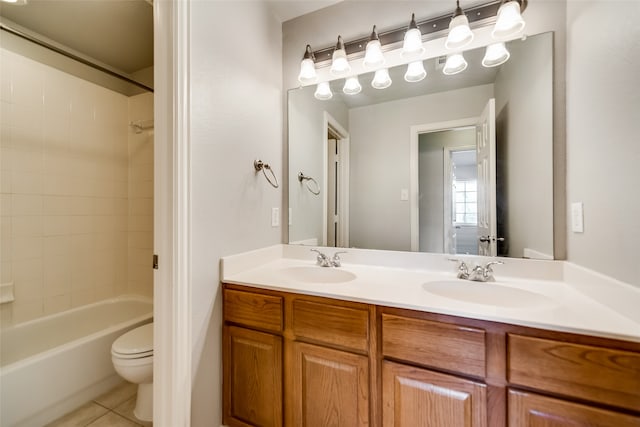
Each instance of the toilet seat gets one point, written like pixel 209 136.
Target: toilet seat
pixel 135 344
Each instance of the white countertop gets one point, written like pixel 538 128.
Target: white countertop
pixel 569 298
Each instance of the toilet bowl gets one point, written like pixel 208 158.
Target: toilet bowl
pixel 132 356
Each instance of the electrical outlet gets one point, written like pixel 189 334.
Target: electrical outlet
pixel 577 217
pixel 275 217
pixel 404 195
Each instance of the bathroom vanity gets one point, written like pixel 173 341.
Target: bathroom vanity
pixel 299 351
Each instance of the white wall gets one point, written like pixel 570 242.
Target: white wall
pixel 306 134
pixel 603 111
pixel 236 117
pixel 525 138
pixel 379 161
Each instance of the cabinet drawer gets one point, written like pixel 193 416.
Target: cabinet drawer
pixel 441 345
pixel 528 409
pixel 253 309
pixel 331 324
pixel 592 373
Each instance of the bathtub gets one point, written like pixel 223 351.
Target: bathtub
pixel 51 365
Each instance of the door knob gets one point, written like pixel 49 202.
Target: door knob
pixel 488 239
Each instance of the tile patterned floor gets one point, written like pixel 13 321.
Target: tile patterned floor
pixel 112 409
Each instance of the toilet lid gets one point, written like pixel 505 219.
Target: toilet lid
pixel 137 342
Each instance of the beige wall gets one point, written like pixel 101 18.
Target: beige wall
pixel 603 153
pixel 64 190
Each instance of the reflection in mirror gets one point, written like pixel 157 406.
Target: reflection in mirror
pixel 455 163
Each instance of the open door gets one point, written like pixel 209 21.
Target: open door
pixel 332 192
pixel 337 194
pixel 486 159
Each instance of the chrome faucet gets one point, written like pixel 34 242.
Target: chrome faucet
pixel 324 261
pixel 477 273
pixel 483 274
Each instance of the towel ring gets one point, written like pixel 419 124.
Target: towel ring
pixel 259 165
pixel 303 177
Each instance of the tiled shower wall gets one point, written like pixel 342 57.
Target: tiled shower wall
pixel 64 176
pixel 140 227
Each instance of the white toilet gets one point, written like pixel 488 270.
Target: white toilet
pixel 132 356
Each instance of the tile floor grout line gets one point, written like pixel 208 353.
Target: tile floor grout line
pixel 100 404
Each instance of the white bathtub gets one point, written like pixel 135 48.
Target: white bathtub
pixel 51 365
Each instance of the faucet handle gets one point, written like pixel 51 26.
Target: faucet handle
pixel 463 270
pixel 489 264
pixel 321 259
pixel 335 260
pixel 487 271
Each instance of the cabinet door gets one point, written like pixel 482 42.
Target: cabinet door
pixel 532 410
pixel 414 397
pixel 329 387
pixel 252 378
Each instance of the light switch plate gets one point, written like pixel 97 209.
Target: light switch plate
pixel 275 217
pixel 404 195
pixel 577 217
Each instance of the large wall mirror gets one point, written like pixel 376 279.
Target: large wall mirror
pixel 457 164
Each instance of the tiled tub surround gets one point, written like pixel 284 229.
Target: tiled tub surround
pixel 581 301
pixel 76 191
pixel 52 364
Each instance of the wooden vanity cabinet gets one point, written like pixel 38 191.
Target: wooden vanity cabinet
pixel 432 373
pixel 329 360
pixel 252 359
pixel 295 360
pixel 449 371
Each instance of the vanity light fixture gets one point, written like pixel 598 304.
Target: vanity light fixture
pixel 15 2
pixel 339 63
pixel 352 86
pixel 504 16
pixel 415 72
pixel 323 91
pixel 381 79
pixel 460 35
pixel 373 56
pixel 496 54
pixel 455 64
pixel 308 67
pixel 412 45
pixel 509 21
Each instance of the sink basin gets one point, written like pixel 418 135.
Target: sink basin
pixel 487 293
pixel 318 274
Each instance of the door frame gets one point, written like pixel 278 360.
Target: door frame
pixel 414 190
pixel 172 216
pixel 329 122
